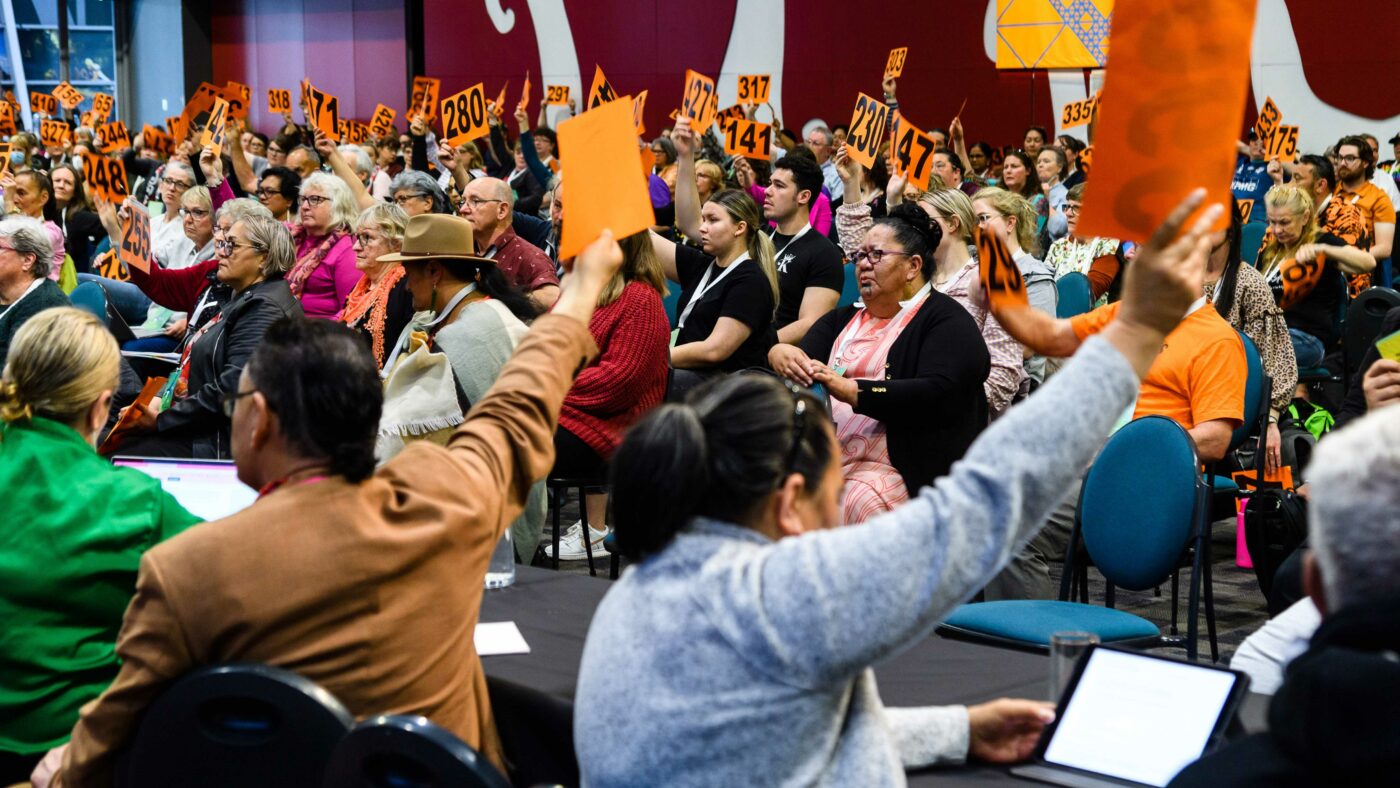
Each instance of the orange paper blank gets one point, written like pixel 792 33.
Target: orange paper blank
pixel 606 189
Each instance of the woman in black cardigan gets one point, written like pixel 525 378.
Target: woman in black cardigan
pixel 904 370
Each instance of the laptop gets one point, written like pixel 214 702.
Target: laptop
pixel 1135 719
pixel 207 488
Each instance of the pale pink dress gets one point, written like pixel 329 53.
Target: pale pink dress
pixel 873 486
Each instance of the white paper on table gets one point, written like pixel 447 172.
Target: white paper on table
pixel 498 638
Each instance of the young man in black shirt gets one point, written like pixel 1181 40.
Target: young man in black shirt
pixel 810 276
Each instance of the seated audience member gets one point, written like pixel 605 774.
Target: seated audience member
pixel 196 208
pixel 529 193
pixel 1197 380
pixel 417 193
pixel 325 272
pixel 729 291
pixel 1332 720
pixel 82 230
pixel 25 286
pixel 822 143
pixel 627 380
pixel 810 277
pixel 820 216
pixel 304 160
pixel 1097 258
pixel 904 353
pixel 1018 176
pixel 1254 176
pixel 1072 147
pixel 1316 176
pixel 664 149
pixel 1239 294
pixel 953 271
pixel 1356 166
pixel 188 419
pixel 747 627
pixel 948 168
pixel 488 204
pixel 1035 140
pixel 478 319
pixel 31 194
pixel 168 239
pixel 380 305
pixel 386 154
pixel 709 179
pixel 374 599
pixel 74 528
pixel 278 192
pixel 1051 168
pixel 1012 219
pixel 1311 307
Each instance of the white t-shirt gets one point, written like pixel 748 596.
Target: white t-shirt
pixel 169 244
pixel 1264 654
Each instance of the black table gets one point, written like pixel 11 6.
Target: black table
pixel 553 611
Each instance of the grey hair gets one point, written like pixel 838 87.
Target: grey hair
pixel 358 159
pixel 388 217
pixel 241 208
pixel 343 207
pixel 274 240
pixel 199 195
pixel 420 183
pixel 180 166
pixel 826 134
pixel 1354 522
pixel 29 236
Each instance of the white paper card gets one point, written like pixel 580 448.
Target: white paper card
pixel 499 638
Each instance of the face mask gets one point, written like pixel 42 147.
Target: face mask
pixel 16 157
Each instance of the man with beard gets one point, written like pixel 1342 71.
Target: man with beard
pixel 1356 165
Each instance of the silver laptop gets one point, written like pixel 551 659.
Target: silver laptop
pixel 207 488
pixel 1136 719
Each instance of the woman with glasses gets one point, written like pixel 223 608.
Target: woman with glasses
pixel 25 286
pixel 889 365
pixel 1013 219
pixel 72 532
pixel 417 193
pixel 278 190
pixel 168 240
pixel 325 271
pixel 30 193
pixel 380 305
pixel 187 419
pixel 1099 259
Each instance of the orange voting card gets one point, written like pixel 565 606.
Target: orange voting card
pixel 695 101
pixel 867 129
pixel 525 94
pixel 499 105
pixel 638 107
pixel 237 95
pixel 382 124
pixel 648 159
pixel 602 91
pixel 279 100
pixel 1283 144
pixel 913 152
pixel 425 98
pixel 7 118
pixel 464 116
pixel 53 133
pixel 753 88
pixel 157 140
pixel 1246 208
pixel 105 177
pixel 43 103
pixel 606 191
pixel 1299 278
pixel 1168 124
pixel 179 127
pixel 894 66
pixel 135 248
pixel 556 95
pixel 131 415
pixel 68 95
pixel 1077 113
pixel 730 113
pixel 216 127
pixel 114 137
pixel 1001 279
pixel 743 137
pixel 102 106
pixel 325 112
pixel 1268 120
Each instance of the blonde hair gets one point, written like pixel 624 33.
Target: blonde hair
pixel 639 264
pixel 60 363
pixel 712 171
pixel 1299 203
pixel 953 204
pixel 388 217
pixel 741 208
pixel 1012 205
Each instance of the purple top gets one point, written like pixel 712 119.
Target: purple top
pixel 659 191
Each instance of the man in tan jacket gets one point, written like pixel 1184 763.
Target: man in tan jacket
pixel 367 582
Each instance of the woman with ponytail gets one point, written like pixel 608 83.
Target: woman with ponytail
pixel 72 532
pixel 729 287
pixel 738 644
pixel 904 369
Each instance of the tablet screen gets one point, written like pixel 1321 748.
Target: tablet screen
pixel 1138 718
pixel 210 490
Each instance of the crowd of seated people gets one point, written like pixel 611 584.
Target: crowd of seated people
pixel 386 335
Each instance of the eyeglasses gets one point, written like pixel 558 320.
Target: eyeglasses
pixel 476 202
pixel 983 218
pixel 365 239
pixel 175 184
pixel 400 199
pixel 266 193
pixel 313 200
pixel 1073 208
pixel 228 400
pixel 1349 159
pixel 227 246
pixel 876 255
pixel 195 212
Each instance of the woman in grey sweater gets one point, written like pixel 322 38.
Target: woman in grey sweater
pixel 737 648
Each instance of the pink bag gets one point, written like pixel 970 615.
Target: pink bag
pixel 1242 559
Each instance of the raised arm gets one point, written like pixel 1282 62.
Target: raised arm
pixel 687 191
pixel 536 167
pixel 242 168
pixel 342 169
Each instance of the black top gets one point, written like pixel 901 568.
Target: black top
pixel 82 233
pixel 809 261
pixel 529 194
pixel 1316 314
pixel 12 316
pixel 398 310
pixel 1354 406
pixel 743 294
pixel 217 360
pixel 931 400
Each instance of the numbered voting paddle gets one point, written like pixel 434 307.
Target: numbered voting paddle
pixel 1001 279
pixel 464 115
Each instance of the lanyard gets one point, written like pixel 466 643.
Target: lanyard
pixel 706 286
pixel 800 233
pixel 409 329
pixel 202 305
pixel 32 287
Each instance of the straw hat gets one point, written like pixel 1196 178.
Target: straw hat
pixel 435 236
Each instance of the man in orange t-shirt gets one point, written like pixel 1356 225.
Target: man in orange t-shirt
pixel 1356 165
pixel 1198 381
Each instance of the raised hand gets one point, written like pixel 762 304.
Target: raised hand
pixel 213 166
pixel 684 138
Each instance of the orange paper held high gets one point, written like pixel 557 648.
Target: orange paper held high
pixel 607 190
pixel 1172 111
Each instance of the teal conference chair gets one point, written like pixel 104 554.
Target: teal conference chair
pixel 1075 297
pixel 1251 238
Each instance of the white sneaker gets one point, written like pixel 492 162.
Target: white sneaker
pixel 571 544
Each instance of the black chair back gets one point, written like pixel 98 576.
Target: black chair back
pixel 537 733
pixel 401 751
pixel 236 725
pixel 1364 318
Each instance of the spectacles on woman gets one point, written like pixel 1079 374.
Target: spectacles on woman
pixel 227 245
pixel 175 183
pixel 197 213
pixel 365 239
pixel 1073 207
pixel 267 193
pixel 401 199
pixel 313 200
pixel 876 255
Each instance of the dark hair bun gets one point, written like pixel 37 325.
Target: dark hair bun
pixel 914 217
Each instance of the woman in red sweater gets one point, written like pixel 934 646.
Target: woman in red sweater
pixel 627 380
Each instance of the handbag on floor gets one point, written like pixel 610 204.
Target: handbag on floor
pixel 1275 524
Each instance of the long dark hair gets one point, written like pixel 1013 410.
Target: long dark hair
pixel 492 282
pixel 1230 278
pixel 79 201
pixel 1031 189
pixel 719 454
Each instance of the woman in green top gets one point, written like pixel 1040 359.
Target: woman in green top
pixel 72 532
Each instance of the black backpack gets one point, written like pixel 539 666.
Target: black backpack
pixel 1275 524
